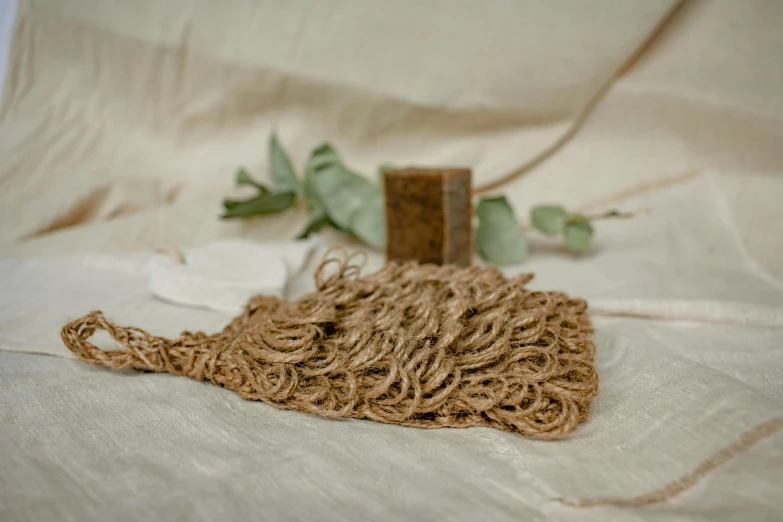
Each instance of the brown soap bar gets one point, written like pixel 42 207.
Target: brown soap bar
pixel 428 216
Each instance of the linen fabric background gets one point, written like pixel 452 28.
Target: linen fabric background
pixel 122 123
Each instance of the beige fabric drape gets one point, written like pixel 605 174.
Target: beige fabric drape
pixel 143 112
pixel 121 125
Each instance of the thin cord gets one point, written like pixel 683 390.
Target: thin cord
pixel 681 484
pixel 582 117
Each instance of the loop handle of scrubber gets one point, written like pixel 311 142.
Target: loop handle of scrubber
pixel 142 351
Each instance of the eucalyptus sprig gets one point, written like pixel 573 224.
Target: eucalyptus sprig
pixel 553 220
pixel 286 187
pixel 339 198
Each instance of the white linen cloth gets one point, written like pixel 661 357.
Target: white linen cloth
pixel 119 134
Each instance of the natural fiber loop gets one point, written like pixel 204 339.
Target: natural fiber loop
pixel 142 351
pixel 418 345
pixel 345 267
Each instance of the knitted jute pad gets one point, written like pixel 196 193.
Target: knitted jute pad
pixel 418 345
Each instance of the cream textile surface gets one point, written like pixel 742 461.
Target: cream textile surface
pixel 120 128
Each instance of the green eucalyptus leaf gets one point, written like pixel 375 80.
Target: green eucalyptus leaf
pixel 369 222
pixel 243 178
pixel 318 221
pixel 549 219
pixel 261 205
pixel 340 192
pixel 352 204
pixel 282 172
pixel 499 238
pixel 578 233
pixel 321 157
pixel 228 204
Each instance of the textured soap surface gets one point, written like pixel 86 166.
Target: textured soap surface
pixel 428 215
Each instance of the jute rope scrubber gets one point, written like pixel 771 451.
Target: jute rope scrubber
pixel 417 345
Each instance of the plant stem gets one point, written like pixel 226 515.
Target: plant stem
pixel 617 214
pixel 609 214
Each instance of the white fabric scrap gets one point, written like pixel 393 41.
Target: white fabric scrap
pixel 224 275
